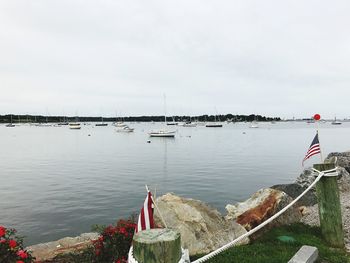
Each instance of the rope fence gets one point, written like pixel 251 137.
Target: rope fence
pixel 331 172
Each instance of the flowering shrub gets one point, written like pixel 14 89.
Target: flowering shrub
pixel 114 243
pixel 11 248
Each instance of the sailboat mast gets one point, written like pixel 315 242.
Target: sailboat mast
pixel 164 109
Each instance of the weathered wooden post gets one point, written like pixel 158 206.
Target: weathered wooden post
pixel 157 246
pixel 329 207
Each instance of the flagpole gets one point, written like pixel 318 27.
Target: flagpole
pixel 155 205
pixel 317 128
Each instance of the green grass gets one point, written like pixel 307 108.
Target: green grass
pixel 271 250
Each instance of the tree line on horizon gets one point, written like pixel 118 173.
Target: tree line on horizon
pixel 14 118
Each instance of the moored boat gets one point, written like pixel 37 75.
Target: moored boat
pixel 125 129
pixel 162 133
pixel 213 125
pixel 74 126
pixel 335 122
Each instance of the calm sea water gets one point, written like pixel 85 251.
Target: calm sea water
pixel 57 182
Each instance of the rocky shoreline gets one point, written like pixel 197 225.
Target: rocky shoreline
pixel 204 228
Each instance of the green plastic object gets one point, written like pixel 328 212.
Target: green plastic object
pixel 287 239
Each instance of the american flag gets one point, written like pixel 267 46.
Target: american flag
pixel 146 220
pixel 313 149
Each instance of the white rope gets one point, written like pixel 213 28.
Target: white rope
pixel 331 172
pixel 327 173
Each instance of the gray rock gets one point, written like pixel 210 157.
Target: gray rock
pixel 49 250
pixel 307 177
pixel 294 190
pixel 343 159
pixel 203 228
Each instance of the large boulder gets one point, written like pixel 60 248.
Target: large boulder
pixel 261 206
pixel 202 228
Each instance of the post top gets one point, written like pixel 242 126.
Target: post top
pixel 156 235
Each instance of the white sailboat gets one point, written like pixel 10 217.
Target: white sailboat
pixel 10 125
pixel 163 132
pixel 214 124
pixel 254 124
pixel 75 125
pixel 335 122
pixel 172 123
pixel 101 123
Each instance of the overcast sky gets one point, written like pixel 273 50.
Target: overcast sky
pixel 276 58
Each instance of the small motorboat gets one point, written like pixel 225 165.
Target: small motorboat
pixel 125 129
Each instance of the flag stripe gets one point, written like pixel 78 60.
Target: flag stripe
pixel 313 149
pixel 145 211
pixel 150 209
pixel 312 154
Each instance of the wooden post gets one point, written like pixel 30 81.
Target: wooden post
pixel 329 207
pixel 157 246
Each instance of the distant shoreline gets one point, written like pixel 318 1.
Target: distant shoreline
pixel 20 118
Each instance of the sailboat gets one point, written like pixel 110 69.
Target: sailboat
pixel 163 132
pixel 75 125
pixel 213 124
pixel 335 122
pixel 102 123
pixel 64 122
pixel 10 125
pixel 254 123
pixel 189 123
pixel 172 123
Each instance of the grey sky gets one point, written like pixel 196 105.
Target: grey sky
pixel 277 58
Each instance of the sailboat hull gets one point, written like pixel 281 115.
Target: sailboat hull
pixel 165 134
pixel 213 125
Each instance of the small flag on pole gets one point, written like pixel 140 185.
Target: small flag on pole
pixel 146 220
pixel 313 149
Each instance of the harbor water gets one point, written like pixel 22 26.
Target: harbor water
pixel 57 182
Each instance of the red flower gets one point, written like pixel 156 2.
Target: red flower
pixel 2 241
pixel 122 230
pixel 2 231
pixel 22 254
pixel 19 261
pixel 12 243
pixel 97 252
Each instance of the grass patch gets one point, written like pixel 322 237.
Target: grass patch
pixel 270 249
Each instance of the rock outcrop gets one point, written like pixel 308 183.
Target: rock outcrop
pixel 203 228
pixel 307 177
pixel 49 250
pixel 343 159
pixel 261 206
pixel 294 190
